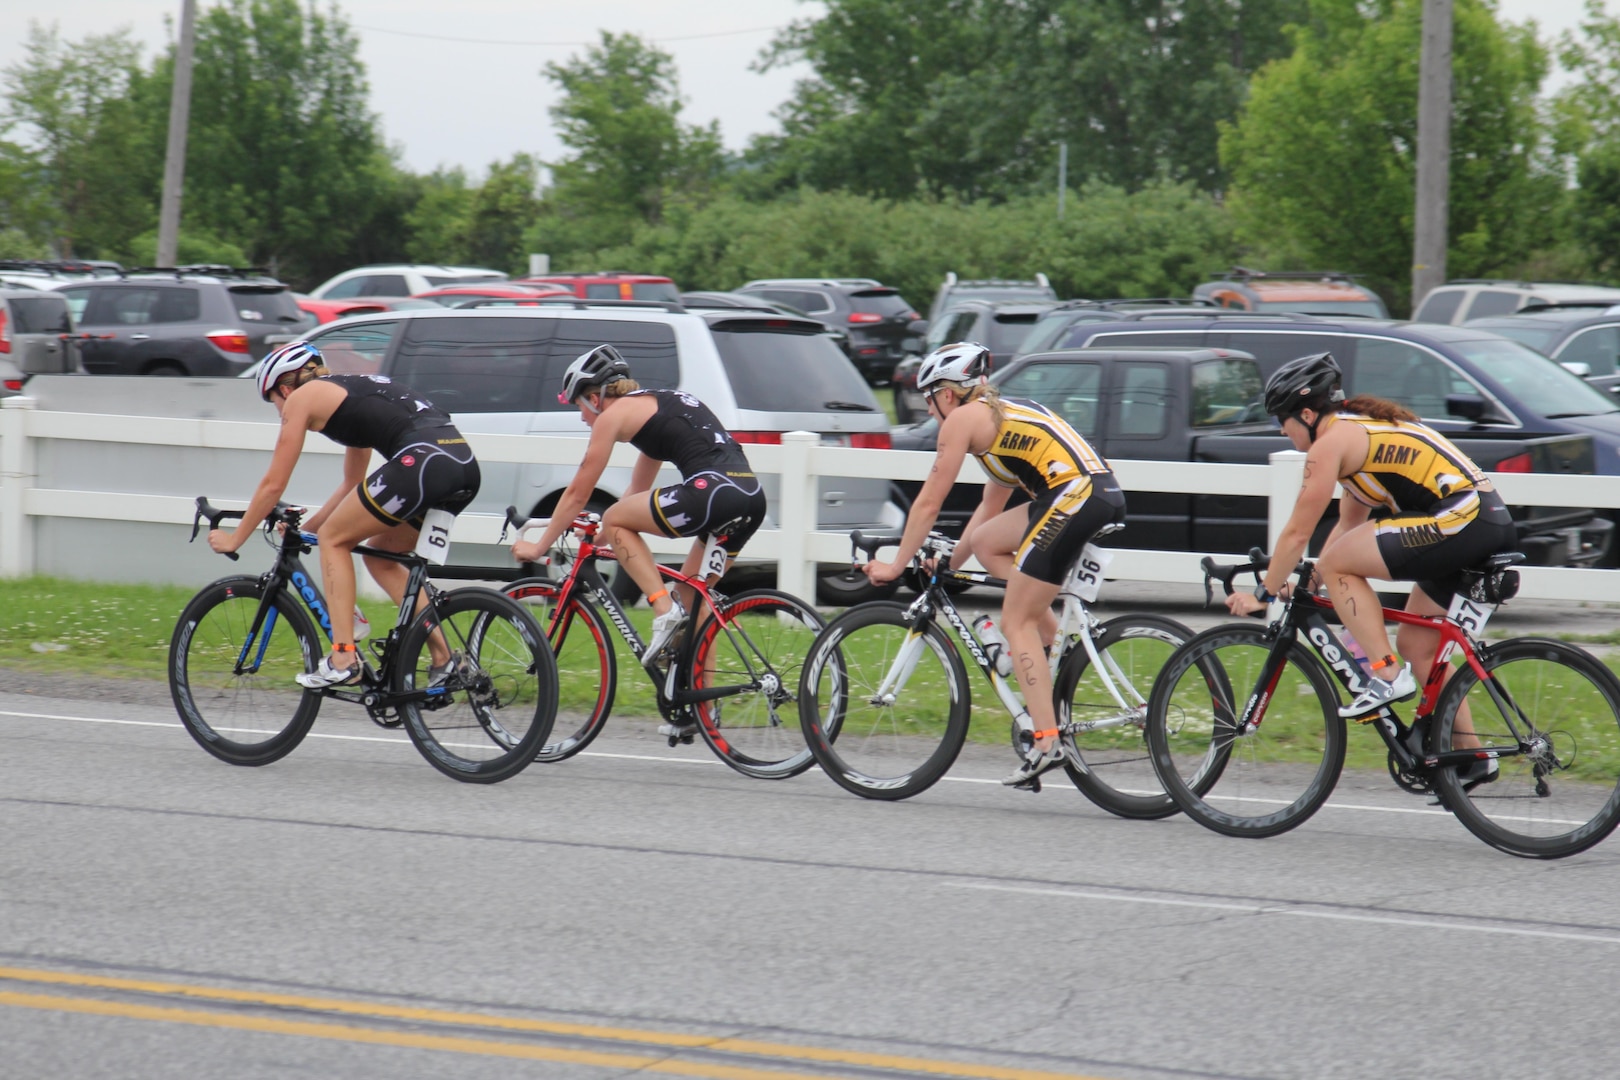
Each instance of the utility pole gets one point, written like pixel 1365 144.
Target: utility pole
pixel 1063 175
pixel 1429 220
pixel 174 162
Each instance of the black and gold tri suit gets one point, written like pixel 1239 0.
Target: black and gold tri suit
pixel 429 466
pixel 718 495
pixel 1441 521
pixel 1072 491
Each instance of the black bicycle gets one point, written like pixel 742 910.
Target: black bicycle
pixel 480 716
pixel 1520 740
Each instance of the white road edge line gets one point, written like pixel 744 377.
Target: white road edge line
pixel 1301 911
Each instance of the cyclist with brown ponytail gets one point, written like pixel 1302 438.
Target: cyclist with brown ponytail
pixel 1442 517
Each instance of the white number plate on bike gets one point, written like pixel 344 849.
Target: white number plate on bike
pixel 1470 616
pixel 1088 572
pixel 434 543
pixel 714 558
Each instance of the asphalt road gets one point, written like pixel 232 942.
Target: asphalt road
pixel 349 912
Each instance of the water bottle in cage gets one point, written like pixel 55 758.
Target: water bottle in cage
pixel 995 646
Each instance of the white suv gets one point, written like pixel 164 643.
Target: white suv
pixel 1456 302
pixel 497 371
pixel 399 279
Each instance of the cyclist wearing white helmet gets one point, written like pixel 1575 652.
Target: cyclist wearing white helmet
pixel 429 466
pixel 719 495
pixel 1443 516
pixel 1020 444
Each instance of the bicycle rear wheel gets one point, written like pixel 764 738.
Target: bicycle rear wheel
pixel 1256 784
pixel 258 714
pixel 884 709
pixel 1109 759
pixel 1559 796
pixel 487 718
pixel 587 666
pixel 756 732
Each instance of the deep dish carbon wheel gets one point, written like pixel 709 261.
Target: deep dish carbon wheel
pixel 1257 784
pixel 587 666
pixel 1110 761
pixel 882 730
pixel 235 692
pixel 1559 793
pixel 767 638
pixel 489 716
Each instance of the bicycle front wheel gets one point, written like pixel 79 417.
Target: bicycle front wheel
pixel 1556 787
pixel 1262 782
pixel 587 666
pixel 764 642
pixel 1105 719
pixel 884 707
pixel 233 688
pixel 486 714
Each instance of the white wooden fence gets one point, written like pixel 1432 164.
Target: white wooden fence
pixel 30 501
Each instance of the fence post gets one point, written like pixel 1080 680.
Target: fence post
pixel 796 515
pixel 16 477
pixel 1287 474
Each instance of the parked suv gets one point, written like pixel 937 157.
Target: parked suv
pixel 611 285
pixel 1054 323
pixel 498 370
pixel 954 288
pixel 36 336
pixel 883 328
pixel 1315 292
pixel 1467 299
pixel 998 325
pixel 191 320
pixel 399 279
pixel 1584 337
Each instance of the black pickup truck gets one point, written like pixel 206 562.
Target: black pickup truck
pixel 1203 405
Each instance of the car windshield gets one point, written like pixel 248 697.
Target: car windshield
pixel 1539 338
pixel 1226 392
pixel 1044 334
pixel 776 370
pixel 1369 308
pixel 267 305
pixel 655 290
pixel 1007 332
pixel 1544 386
pixel 884 302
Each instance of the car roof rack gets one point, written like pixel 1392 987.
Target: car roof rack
pixel 63 266
pixel 1521 284
pixel 1565 305
pixel 1243 273
pixel 567 301
pixel 1145 301
pixel 201 270
pixel 856 282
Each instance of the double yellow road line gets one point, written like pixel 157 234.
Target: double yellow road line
pixel 659 1054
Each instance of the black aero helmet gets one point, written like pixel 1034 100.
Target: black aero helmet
pixel 600 365
pixel 1310 382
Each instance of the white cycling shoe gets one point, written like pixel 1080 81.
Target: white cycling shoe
pixel 325 675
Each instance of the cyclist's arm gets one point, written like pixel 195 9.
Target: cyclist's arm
pixel 289 444
pixel 953 447
pixel 1321 475
pixel 643 475
pixel 356 463
pixel 604 436
pixel 993 502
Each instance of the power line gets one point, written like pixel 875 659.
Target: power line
pixel 552 44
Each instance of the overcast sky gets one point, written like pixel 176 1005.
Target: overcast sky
pixel 472 101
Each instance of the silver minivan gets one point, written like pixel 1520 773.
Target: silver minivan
pixel 498 370
pixel 36 336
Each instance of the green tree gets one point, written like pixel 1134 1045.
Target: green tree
pixel 84 174
pixel 631 155
pixel 1589 115
pixel 1323 157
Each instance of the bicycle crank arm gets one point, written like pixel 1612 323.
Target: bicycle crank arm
pixel 714 693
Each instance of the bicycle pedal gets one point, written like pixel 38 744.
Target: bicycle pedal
pixel 678 733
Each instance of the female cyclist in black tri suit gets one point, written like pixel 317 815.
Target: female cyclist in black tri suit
pixel 718 495
pixel 429 466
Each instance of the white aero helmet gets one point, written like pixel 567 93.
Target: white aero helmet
pixel 283 361
pixel 961 362
pixel 600 365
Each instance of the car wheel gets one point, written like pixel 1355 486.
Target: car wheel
pixel 846 587
pixel 165 368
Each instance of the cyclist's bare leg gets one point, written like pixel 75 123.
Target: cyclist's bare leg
pixel 625 521
pixel 1345 566
pixel 1027 604
pixel 994 543
pixel 393 577
pixel 349 525
pixel 1421 645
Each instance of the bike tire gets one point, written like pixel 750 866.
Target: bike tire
pixel 493 714
pixel 756 732
pixel 1564 796
pixel 587 666
pixel 1110 763
pixel 1254 785
pixel 883 749
pixel 253 718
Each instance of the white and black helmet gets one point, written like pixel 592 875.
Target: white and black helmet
pixel 284 361
pixel 961 362
pixel 600 365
